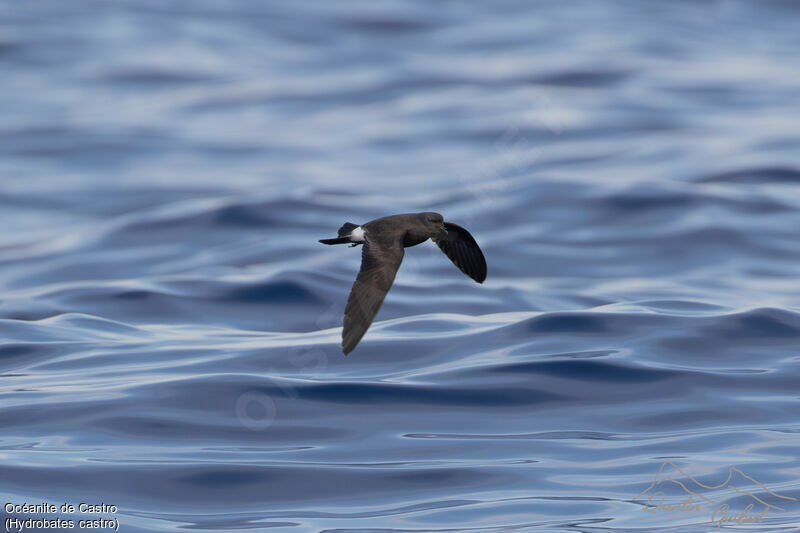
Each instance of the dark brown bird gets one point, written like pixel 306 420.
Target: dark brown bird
pixel 384 239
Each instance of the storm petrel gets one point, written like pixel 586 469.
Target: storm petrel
pixel 384 239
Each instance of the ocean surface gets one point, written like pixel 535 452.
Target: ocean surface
pixel 170 326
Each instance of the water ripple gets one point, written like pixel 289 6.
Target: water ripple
pixel 170 326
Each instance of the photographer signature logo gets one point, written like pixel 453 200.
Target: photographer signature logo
pixel 688 495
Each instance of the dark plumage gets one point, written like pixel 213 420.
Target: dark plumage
pixel 384 239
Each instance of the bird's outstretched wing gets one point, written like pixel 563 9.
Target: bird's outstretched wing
pixel 379 264
pixel 462 250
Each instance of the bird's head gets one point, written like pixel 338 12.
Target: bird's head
pixel 434 223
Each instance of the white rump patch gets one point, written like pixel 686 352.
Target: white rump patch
pixel 357 235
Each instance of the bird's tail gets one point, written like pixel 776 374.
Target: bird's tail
pixel 344 234
pixel 338 240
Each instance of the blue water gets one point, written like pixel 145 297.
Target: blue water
pixel 170 326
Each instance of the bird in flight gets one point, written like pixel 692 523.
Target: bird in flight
pixel 384 239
